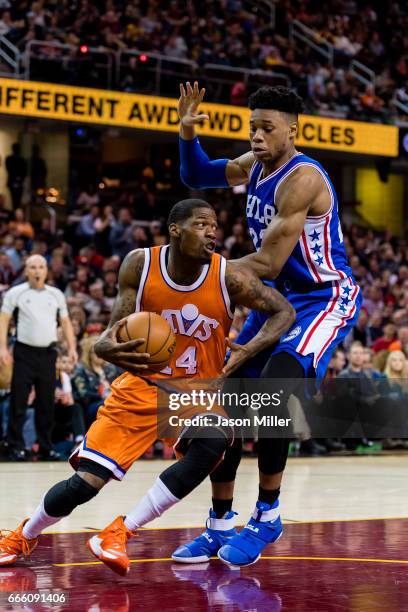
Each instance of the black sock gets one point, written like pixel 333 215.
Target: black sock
pixel 268 496
pixel 221 506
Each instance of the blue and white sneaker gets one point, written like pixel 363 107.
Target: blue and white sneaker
pixel 263 528
pixel 218 532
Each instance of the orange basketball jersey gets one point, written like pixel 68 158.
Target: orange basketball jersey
pixel 199 315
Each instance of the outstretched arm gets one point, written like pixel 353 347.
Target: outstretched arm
pixel 244 288
pixel 123 354
pixel 196 169
pixel 302 189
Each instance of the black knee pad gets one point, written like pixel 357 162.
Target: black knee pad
pixel 214 446
pixel 213 431
pixel 273 452
pixel 227 469
pixel 202 456
pixel 66 495
pixel 272 455
pixel 206 452
pixel 284 366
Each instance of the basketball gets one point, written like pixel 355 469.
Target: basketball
pixel 160 339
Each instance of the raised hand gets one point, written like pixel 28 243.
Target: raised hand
pixel 189 101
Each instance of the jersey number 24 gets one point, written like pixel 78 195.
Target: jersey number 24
pixel 187 360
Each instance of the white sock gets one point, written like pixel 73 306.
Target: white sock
pixel 156 501
pixel 39 521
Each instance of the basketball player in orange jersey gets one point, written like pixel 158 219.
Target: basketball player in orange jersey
pixel 196 290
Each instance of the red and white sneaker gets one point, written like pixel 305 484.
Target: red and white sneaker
pixel 13 544
pixel 109 546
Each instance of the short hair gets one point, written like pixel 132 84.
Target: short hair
pixel 354 344
pixel 35 256
pixel 184 209
pixel 277 98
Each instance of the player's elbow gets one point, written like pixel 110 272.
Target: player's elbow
pixel 190 180
pixel 289 314
pixel 266 268
pixel 271 272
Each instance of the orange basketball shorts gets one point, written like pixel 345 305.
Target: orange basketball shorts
pixel 125 427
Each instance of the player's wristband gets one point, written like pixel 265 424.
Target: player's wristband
pixel 197 171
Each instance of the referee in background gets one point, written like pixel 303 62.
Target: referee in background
pixel 37 308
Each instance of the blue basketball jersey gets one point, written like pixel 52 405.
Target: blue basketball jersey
pixel 319 256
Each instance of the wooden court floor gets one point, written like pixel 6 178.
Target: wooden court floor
pixel 345 543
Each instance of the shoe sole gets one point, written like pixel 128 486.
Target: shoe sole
pixel 245 564
pixel 15 558
pixel 237 564
pixel 93 545
pixel 191 560
pixel 9 562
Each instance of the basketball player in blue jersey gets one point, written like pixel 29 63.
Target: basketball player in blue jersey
pixel 293 220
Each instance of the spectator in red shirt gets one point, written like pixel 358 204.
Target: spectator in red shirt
pixel 383 343
pixel 88 256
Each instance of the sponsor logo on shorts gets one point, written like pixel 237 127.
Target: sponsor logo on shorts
pixel 292 334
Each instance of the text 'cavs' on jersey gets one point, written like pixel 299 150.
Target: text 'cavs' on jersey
pixel 319 256
pixel 199 314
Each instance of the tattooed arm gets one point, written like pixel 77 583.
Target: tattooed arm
pixel 123 354
pixel 245 289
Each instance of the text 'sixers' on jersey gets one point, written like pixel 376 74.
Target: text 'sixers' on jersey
pixel 319 256
pixel 199 314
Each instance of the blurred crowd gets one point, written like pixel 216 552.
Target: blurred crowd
pixel 371 32
pixel 102 226
pixel 228 33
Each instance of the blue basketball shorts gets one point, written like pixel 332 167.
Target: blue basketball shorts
pixel 324 317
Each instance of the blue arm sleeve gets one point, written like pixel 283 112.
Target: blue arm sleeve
pixel 197 171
